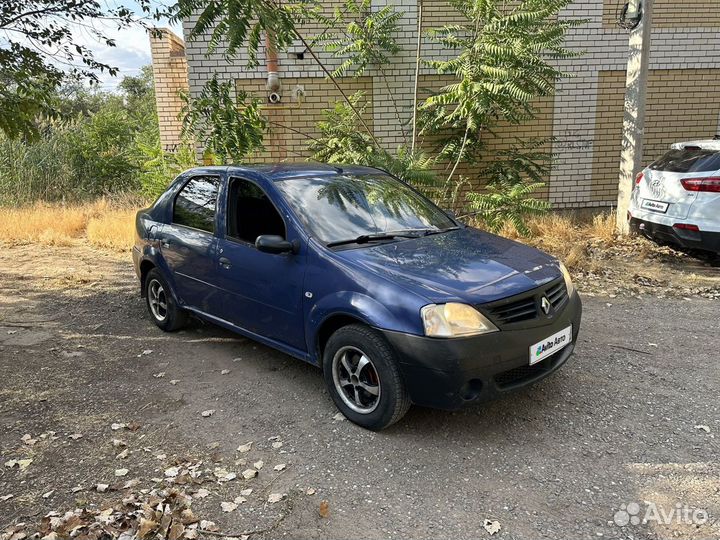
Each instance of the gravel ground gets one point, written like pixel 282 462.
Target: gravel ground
pixel 633 418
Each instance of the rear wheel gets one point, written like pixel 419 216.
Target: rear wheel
pixel 161 303
pixel 362 376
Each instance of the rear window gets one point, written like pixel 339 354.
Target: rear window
pixel 688 160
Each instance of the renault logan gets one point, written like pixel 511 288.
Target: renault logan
pixel 354 271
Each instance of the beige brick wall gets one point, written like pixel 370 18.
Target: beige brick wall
pixel 682 104
pixel 671 13
pixel 170 72
pixel 293 123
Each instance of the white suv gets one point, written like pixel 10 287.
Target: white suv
pixel 676 200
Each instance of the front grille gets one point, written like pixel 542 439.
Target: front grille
pixel 527 306
pixel 557 294
pixel 521 310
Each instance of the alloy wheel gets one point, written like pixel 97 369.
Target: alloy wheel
pixel 356 380
pixel 157 299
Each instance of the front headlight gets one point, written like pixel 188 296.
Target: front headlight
pixel 568 280
pixel 454 320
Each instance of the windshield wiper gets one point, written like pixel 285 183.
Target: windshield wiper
pixel 428 232
pixel 366 238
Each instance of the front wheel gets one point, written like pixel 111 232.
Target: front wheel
pixel 161 303
pixel 362 376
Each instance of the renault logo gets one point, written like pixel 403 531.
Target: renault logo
pixel 545 305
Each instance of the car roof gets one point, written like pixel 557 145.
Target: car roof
pixel 283 171
pixel 709 144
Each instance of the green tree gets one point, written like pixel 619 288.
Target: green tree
pixel 342 141
pixel 229 128
pixel 502 58
pixel 38 53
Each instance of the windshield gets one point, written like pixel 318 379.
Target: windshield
pixel 342 207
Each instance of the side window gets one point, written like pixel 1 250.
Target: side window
pixel 251 213
pixel 196 203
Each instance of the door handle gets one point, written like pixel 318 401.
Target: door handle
pixel 225 263
pixel 165 243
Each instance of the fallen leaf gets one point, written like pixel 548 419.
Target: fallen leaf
pixel 48 494
pixel 131 483
pixel 201 493
pixel 324 509
pixel 187 517
pixel 172 472
pixel 258 464
pixel 245 447
pixel 224 372
pixel 704 428
pixel 249 473
pixel 146 527
pixel 146 352
pixel 122 455
pixel 228 506
pixel 339 417
pixel 280 467
pixel 159 375
pixel 117 443
pixel 174 382
pixel 27 439
pixel 207 413
pixel 277 445
pixel 491 527
pixel 246 492
pixel 275 497
pixel 121 472
pixel 176 531
pixel 24 463
pixel 310 491
pixel 75 436
pixel 206 525
pixel 6 497
pixel 117 426
pixel 101 488
pixel 240 500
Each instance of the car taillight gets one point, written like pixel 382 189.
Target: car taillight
pixel 686 227
pixel 639 178
pixel 710 184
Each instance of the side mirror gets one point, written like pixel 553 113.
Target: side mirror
pixel 270 243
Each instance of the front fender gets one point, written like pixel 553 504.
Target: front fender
pixel 357 305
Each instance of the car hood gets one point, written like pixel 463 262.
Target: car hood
pixel 467 265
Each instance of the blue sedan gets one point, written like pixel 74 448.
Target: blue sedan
pixel 354 271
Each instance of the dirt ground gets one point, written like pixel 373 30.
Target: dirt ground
pixel 632 422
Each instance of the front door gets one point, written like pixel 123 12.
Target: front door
pixel 263 291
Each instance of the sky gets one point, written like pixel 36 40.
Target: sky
pixel 131 51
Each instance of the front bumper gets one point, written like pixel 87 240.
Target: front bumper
pixel 453 373
pixel 700 240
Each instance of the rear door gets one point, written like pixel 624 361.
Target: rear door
pixel 661 189
pixel 188 244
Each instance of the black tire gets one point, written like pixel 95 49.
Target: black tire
pixel 392 401
pixel 174 317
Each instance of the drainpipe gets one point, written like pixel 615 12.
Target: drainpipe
pixel 273 79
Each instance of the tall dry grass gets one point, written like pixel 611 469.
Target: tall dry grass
pixel 569 236
pixel 111 225
pixel 103 223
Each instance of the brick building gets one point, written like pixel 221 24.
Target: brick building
pixel 585 116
